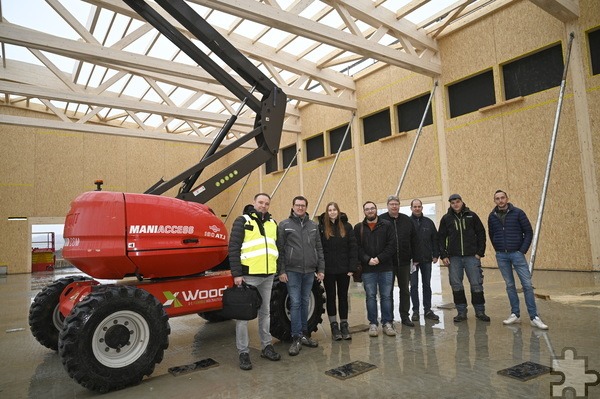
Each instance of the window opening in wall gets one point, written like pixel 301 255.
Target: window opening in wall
pixel 411 112
pixel 315 148
pixel 271 164
pixel 471 94
pixel 287 154
pixel 594 43
pixel 533 73
pixel 377 126
pixel 335 139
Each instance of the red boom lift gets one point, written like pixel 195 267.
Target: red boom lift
pixel 174 250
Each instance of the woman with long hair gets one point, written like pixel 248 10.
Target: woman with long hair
pixel 341 258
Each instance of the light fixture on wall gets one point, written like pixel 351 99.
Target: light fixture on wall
pixel 17 218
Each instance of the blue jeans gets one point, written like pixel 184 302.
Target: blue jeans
pixel 264 285
pixel 507 261
pixel 384 281
pixel 299 287
pixel 425 268
pixel 459 265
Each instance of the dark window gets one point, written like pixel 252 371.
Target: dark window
pixel 315 148
pixel 536 72
pixel 287 154
pixel 377 126
pixel 471 94
pixel 335 139
pixel 594 42
pixel 271 164
pixel 411 112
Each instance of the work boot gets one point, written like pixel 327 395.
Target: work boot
pixel 406 321
pixel 269 353
pixel 460 317
pixel 431 316
pixel 482 316
pixel 245 363
pixel 307 341
pixel 345 330
pixel 295 347
pixel 336 334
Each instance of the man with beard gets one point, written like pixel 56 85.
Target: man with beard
pixel 376 249
pixel 253 259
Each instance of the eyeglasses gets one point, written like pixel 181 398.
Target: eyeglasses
pixel 300 205
pixel 370 209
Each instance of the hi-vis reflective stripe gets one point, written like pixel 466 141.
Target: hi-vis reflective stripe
pixel 258 241
pixel 259 252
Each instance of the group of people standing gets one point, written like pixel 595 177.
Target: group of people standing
pixel 382 248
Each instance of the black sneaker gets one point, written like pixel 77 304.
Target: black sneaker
pixel 415 316
pixel 406 321
pixel 269 353
pixel 460 317
pixel 482 316
pixel 295 347
pixel 307 341
pixel 431 316
pixel 336 334
pixel 345 330
pixel 245 363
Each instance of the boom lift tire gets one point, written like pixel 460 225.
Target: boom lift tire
pixel 113 338
pixel 281 326
pixel 45 321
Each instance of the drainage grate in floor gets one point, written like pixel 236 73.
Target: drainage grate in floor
pixel 350 370
pixel 199 365
pixel 525 371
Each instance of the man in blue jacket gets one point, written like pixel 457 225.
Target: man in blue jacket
pixel 511 235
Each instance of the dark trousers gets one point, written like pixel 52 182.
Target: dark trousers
pixel 402 273
pixel 337 282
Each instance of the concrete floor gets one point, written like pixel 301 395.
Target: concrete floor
pixel 441 360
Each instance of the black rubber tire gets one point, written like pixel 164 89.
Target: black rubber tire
pixel 45 321
pixel 281 327
pixel 113 338
pixel 213 317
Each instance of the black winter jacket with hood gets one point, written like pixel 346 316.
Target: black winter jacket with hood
pixel 406 238
pixel 378 243
pixel 461 234
pixel 341 253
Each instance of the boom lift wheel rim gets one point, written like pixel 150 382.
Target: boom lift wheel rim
pixel 112 347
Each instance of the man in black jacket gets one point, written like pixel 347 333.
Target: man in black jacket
pixel 253 259
pixel 376 249
pixel 462 245
pixel 426 253
pixel 405 237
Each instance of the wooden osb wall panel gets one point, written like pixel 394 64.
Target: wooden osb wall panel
pixel 59 170
pixel 507 149
pixel 288 189
pixel 105 158
pixel 341 185
pixel 317 119
pixel 589 13
pixel 145 160
pixel 467 51
pixel 524 28
pixel 16 177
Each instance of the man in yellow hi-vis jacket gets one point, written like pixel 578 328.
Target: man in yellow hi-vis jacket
pixel 253 259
